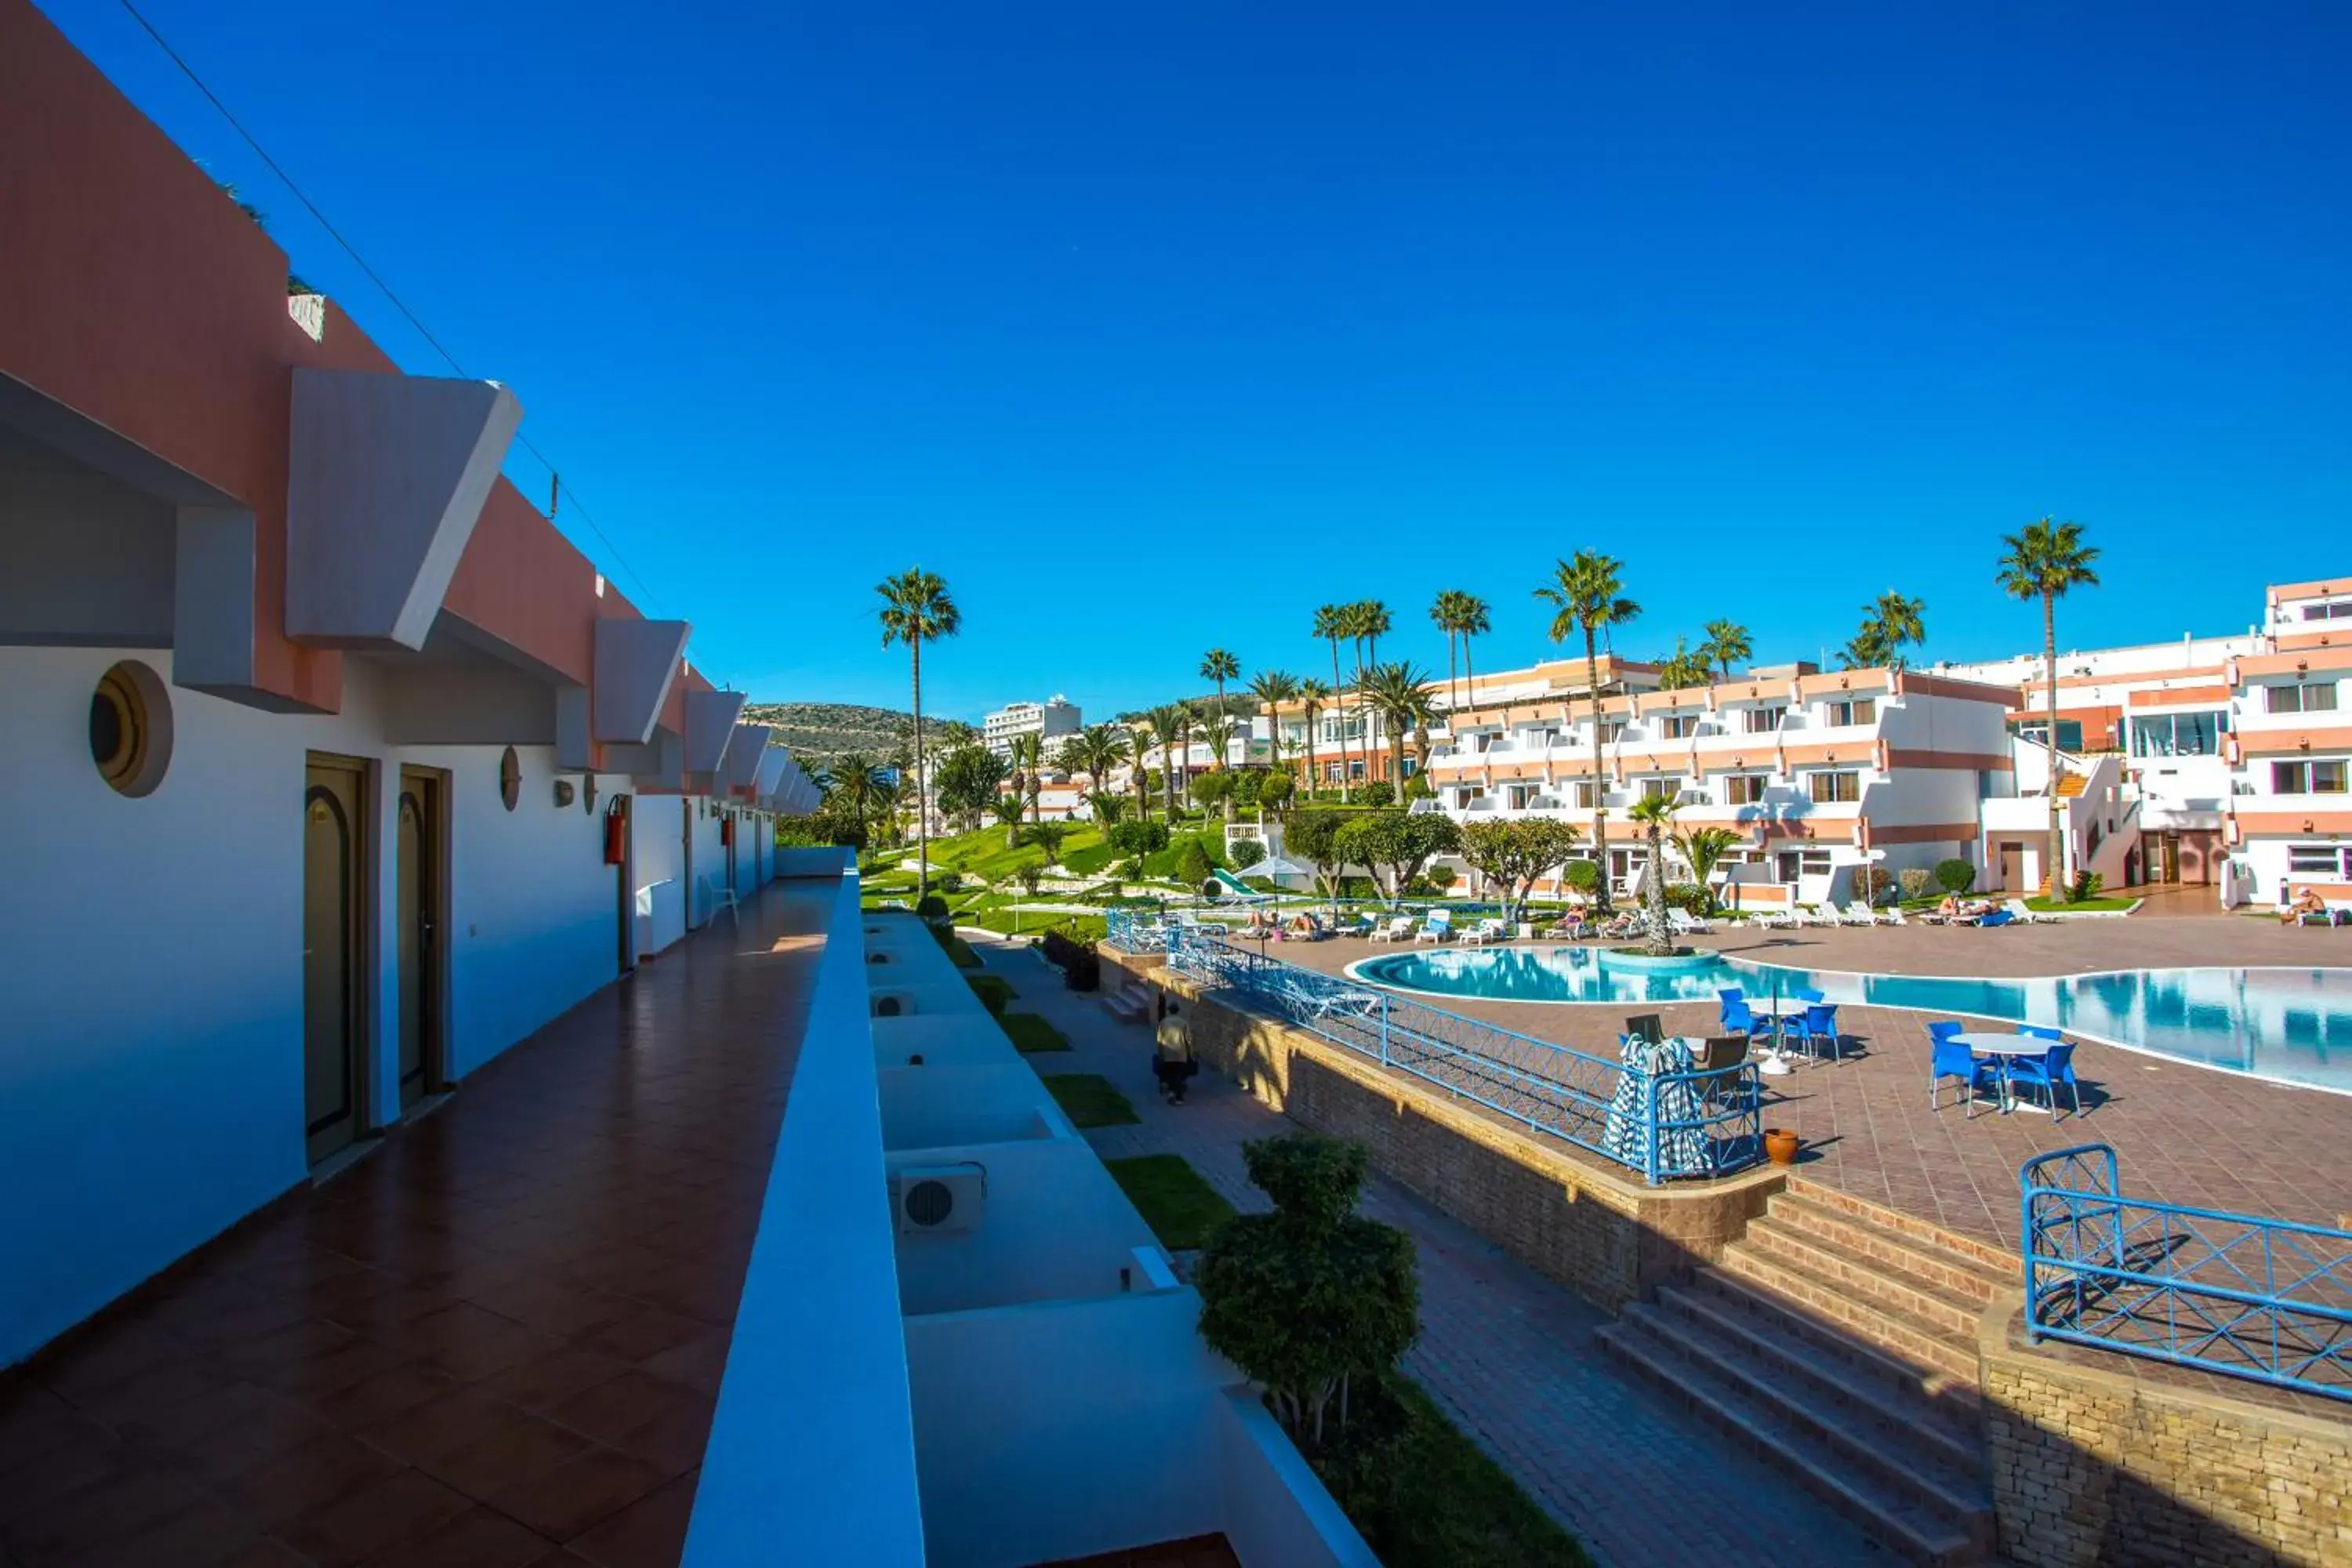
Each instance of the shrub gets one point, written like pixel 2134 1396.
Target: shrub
pixel 2086 886
pixel 1688 896
pixel 1136 839
pixel 1440 877
pixel 1417 788
pixel 1916 882
pixel 1871 884
pixel 932 908
pixel 1029 876
pixel 1245 853
pixel 1378 791
pixel 1956 875
pixel 1192 862
pixel 993 991
pixel 1275 791
pixel 948 881
pixel 1249 786
pixel 1583 876
pixel 1080 965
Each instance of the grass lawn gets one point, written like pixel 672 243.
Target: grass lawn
pixel 1002 919
pixel 2082 906
pixel 1181 1208
pixel 1028 1032
pixel 1432 1498
pixel 1089 1099
pixel 995 992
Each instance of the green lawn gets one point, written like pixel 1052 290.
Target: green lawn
pixel 2085 906
pixel 1089 1099
pixel 1029 1031
pixel 995 991
pixel 1181 1208
pixel 1427 1497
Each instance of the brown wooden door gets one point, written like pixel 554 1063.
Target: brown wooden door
pixel 625 896
pixel 424 1069
pixel 334 889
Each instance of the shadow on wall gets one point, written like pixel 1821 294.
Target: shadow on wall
pixel 1924 1401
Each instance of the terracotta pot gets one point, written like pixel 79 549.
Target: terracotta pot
pixel 1780 1145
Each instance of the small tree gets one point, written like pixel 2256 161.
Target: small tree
pixel 1029 875
pixel 1210 788
pixel 1275 791
pixel 1704 849
pixel 1108 807
pixel 1956 875
pixel 1314 836
pixel 1192 861
pixel 1010 809
pixel 1871 884
pixel 1914 880
pixel 1245 853
pixel 1050 836
pixel 1313 1296
pixel 1582 876
pixel 1137 838
pixel 1513 854
pixel 1249 788
pixel 1378 791
pixel 1396 844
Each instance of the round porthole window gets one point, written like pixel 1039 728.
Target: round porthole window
pixel 131 728
pixel 510 778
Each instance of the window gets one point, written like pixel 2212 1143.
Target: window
pixel 2308 696
pixel 131 729
pixel 2340 611
pixel 1584 795
pixel 2319 860
pixel 1678 726
pixel 1839 788
pixel 1790 864
pixel 2070 734
pixel 1764 720
pixel 2308 778
pixel 1462 797
pixel 1660 789
pixel 1744 789
pixel 1861 710
pixel 1519 795
pixel 2179 735
pixel 1611 730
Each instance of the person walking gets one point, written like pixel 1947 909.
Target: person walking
pixel 1172 1061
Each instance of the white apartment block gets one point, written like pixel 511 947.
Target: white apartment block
pixel 2288 823
pixel 1052 719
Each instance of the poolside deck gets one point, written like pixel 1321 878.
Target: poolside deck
pixel 2184 1134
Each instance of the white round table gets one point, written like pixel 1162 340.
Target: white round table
pixel 2006 1043
pixel 1776 1060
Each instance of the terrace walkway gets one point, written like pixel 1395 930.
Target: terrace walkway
pixel 496 1341
pixel 1508 1354
pixel 2185 1134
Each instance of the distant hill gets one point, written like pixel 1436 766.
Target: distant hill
pixel 819 732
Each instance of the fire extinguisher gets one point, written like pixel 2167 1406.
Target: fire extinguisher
pixel 616 834
pixel 726 831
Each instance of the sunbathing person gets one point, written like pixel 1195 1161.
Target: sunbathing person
pixel 2308 903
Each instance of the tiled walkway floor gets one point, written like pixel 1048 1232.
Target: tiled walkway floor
pixel 2184 1134
pixel 1508 1354
pixel 494 1343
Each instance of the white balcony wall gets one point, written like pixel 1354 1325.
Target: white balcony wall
pixel 152 1072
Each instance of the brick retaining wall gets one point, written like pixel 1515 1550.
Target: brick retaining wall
pixel 1612 1239
pixel 2091 1465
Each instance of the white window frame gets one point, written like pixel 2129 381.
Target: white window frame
pixel 2303 691
pixel 1813 781
pixel 2307 769
pixel 1763 721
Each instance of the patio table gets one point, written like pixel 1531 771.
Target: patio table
pixel 1776 1060
pixel 2004 1044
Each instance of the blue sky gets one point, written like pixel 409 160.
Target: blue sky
pixel 1150 329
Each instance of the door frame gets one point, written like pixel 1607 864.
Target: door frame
pixel 436 1077
pixel 364 895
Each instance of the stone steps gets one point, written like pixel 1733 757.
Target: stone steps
pixel 1839 1339
pixel 1129 1004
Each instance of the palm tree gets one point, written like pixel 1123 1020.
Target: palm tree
pixel 1727 642
pixel 1372 623
pixel 1010 808
pixel 1026 752
pixel 1704 849
pixel 1686 668
pixel 1313 695
pixel 2044 562
pixel 1219 665
pixel 1889 624
pixel 1653 813
pixel 1094 751
pixel 1172 723
pixel 1144 733
pixel 1475 623
pixel 859 778
pixel 1587 594
pixel 1333 622
pixel 1397 692
pixel 1447 611
pixel 916 609
pixel 1273 688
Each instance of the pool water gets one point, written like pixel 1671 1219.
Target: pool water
pixel 2292 1026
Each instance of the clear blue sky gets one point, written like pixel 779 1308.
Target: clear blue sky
pixel 1151 327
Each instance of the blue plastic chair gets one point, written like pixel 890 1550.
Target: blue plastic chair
pixel 2054 1066
pixel 1952 1059
pixel 1738 1018
pixel 1817 1023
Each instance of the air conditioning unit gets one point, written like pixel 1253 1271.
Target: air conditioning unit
pixel 931 1199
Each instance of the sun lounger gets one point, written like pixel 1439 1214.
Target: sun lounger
pixel 1396 928
pixel 2018 912
pixel 1860 914
pixel 1684 924
pixel 1438 927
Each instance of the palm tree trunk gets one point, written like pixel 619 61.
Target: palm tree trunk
pixel 1338 695
pixel 2055 866
pixel 1310 757
pixel 1469 677
pixel 1662 939
pixel 1453 688
pixel 1600 789
pixel 922 814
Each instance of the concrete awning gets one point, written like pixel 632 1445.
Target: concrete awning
pixel 636 661
pixel 387 478
pixel 741 765
pixel 711 719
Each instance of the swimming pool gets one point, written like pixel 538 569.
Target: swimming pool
pixel 2291 1025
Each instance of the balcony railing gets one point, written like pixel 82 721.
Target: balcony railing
pixel 2252 1297
pixel 1661 1125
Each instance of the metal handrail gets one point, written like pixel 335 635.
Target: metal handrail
pixel 2244 1295
pixel 1550 1087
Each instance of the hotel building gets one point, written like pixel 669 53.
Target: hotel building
pixel 1052 719
pixel 412 1022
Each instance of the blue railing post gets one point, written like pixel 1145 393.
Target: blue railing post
pixel 1384 1028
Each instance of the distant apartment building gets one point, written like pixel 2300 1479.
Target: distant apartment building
pixel 1816 773
pixel 2289 818
pixel 1051 719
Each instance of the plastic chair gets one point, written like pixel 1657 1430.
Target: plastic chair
pixel 1731 997
pixel 1818 1022
pixel 2053 1067
pixel 1738 1018
pixel 1951 1059
pixel 721 896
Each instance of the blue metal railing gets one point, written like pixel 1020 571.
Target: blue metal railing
pixel 2264 1299
pixel 1663 1125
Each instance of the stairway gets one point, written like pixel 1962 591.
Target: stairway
pixel 1129 1003
pixel 2070 786
pixel 1839 1339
